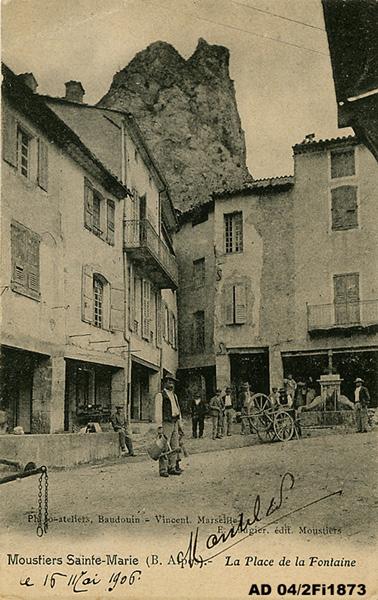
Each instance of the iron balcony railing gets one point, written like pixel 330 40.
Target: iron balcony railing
pixel 141 236
pixel 348 314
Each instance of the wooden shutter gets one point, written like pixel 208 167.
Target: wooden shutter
pixel 9 135
pixel 117 308
pixel 240 298
pixel 229 304
pixel 344 207
pixel 130 298
pixel 346 293
pixel 19 255
pixel 88 205
pixel 87 294
pixel 158 308
pixel 33 261
pixel 146 291
pixel 110 217
pixel 42 164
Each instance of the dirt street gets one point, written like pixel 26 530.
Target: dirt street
pixel 213 483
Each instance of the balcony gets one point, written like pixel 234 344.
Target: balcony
pixel 343 318
pixel 148 251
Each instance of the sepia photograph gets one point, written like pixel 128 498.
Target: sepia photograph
pixel 189 299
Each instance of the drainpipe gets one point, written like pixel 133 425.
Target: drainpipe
pixel 126 334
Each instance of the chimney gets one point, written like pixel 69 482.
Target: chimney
pixel 74 91
pixel 29 80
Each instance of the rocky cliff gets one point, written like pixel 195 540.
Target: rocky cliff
pixel 187 112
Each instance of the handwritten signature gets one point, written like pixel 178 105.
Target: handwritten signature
pixel 191 556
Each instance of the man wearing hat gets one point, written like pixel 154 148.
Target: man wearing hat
pixel 245 406
pixel 169 424
pixel 361 402
pixel 228 410
pixel 121 425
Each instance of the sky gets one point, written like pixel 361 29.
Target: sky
pixel 279 61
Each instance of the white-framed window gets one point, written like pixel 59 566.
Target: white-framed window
pixel 24 141
pixel 98 301
pixel 233 232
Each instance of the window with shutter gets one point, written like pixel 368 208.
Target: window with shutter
pixel 23 152
pixel 229 304
pixel 9 137
pixel 87 294
pixel 344 207
pixel 130 298
pixel 240 302
pixel 25 261
pixel 110 217
pixel 146 291
pixel 88 205
pixel 347 298
pixel 343 163
pixel 98 301
pixel 116 307
pixel 97 202
pixel 166 322
pixel 158 309
pixel 42 165
pixel 235 304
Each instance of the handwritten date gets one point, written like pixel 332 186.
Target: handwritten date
pixel 83 581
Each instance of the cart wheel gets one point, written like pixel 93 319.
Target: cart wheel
pixel 261 401
pixel 283 426
pixel 267 435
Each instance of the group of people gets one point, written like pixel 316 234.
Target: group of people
pixel 221 408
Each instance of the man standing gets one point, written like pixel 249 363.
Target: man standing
pixel 121 425
pixel 169 424
pixel 228 412
pixel 361 402
pixel 198 409
pixel 245 407
pixel 216 407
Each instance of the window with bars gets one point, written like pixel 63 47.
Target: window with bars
pixel 98 301
pixel 25 261
pixel 344 207
pixel 199 272
pixel 343 163
pixel 198 335
pixel 233 232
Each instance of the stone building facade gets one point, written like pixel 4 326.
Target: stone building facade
pixel 88 273
pixel 293 283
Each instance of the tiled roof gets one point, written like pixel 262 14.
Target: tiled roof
pixel 316 145
pixel 268 184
